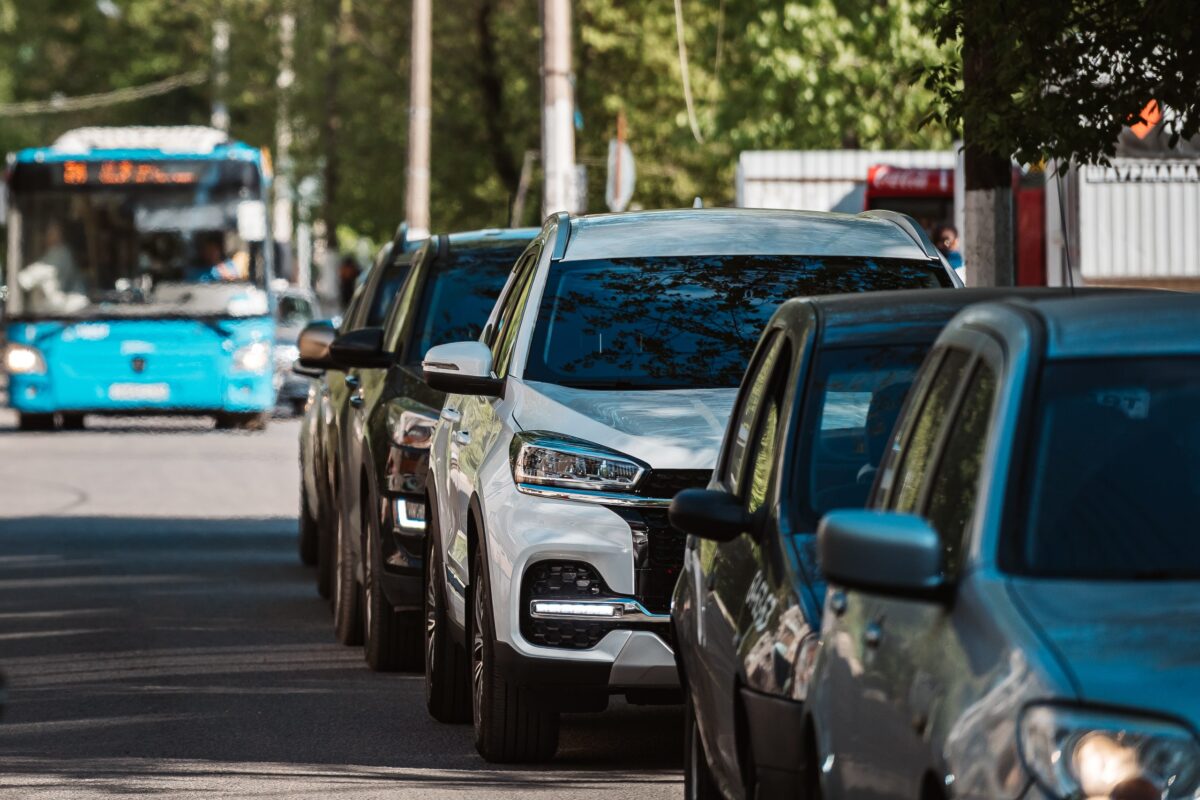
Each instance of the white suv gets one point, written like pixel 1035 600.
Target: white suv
pixel 600 387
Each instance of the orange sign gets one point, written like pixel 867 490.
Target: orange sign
pixel 75 172
pixel 121 172
pixel 1151 115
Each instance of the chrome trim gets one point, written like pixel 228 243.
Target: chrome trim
pixel 403 521
pixel 631 610
pixel 591 496
pixel 561 236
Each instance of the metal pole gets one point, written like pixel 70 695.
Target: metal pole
pixel 558 113
pixel 416 202
pixel 220 56
pixel 283 144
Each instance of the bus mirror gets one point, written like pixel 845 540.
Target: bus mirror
pixel 252 220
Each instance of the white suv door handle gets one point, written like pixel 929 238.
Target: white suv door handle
pixel 451 414
pixel 462 437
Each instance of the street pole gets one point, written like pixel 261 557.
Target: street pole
pixel 416 202
pixel 220 57
pixel 283 144
pixel 558 113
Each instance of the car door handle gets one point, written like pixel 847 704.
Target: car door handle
pixel 352 381
pixel 462 437
pixel 837 603
pixel 873 635
pixel 356 400
pixel 451 414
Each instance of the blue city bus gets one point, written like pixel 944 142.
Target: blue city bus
pixel 138 278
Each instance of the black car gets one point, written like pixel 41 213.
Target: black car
pixel 447 296
pixel 809 428
pixel 325 417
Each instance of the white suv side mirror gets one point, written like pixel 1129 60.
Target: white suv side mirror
pixel 462 368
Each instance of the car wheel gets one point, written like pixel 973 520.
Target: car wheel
pixel 447 684
pixel 309 536
pixel 347 598
pixel 35 422
pixel 392 639
pixel 509 725
pixel 698 781
pixel 71 422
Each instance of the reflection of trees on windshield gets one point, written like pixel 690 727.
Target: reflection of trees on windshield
pixel 458 299
pixel 683 321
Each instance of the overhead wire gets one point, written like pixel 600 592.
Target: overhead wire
pixel 683 68
pixel 58 105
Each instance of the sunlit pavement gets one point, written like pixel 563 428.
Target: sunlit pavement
pixel 160 637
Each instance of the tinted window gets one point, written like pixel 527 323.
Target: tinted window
pixel 683 322
pixel 922 441
pixel 459 295
pixel 854 398
pixel 294 311
pixel 956 483
pixel 385 292
pixel 748 405
pixel 762 457
pixel 1114 482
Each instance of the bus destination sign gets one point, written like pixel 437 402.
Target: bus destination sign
pixel 121 173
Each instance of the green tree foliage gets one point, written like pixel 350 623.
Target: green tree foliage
pixel 1063 77
pixel 766 74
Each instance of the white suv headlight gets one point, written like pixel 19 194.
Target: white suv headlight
pixel 549 459
pixel 21 359
pixel 253 357
pixel 1075 753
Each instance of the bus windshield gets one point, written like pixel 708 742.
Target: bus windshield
pixel 129 251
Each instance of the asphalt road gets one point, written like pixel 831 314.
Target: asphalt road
pixel 161 638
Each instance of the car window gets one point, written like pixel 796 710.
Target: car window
pixel 955 484
pixel 508 323
pixel 393 326
pixel 385 292
pixel 350 320
pixel 760 460
pixel 294 311
pixel 851 405
pixel 747 409
pixel 922 440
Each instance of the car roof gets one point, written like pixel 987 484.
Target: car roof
pixel 488 237
pixel 1126 323
pixel 900 317
pixel 740 231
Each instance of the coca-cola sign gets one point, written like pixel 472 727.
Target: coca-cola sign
pixel 888 181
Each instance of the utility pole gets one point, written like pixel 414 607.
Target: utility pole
pixel 558 112
pixel 220 57
pixel 283 142
pixel 988 200
pixel 416 201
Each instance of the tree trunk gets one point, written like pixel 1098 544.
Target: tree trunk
pixel 491 88
pixel 988 212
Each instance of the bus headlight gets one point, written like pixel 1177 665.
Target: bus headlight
pixel 21 359
pixel 253 357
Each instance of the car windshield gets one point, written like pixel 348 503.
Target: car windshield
pixel 1115 474
pixel 684 322
pixel 459 295
pixel 854 397
pixel 138 253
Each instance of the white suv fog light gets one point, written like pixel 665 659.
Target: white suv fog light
pixel 555 608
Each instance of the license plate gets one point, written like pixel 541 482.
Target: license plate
pixel 153 392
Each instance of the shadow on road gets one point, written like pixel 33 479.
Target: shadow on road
pixel 149 650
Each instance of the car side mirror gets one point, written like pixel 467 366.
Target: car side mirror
pixel 709 514
pixel 462 368
pixel 313 344
pixel 882 553
pixel 360 349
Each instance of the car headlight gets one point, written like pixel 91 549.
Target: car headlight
pixel 409 427
pixel 548 459
pixel 253 357
pixel 21 359
pixel 1074 753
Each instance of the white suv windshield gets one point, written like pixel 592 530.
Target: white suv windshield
pixel 684 322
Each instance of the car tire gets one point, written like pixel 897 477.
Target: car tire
pixel 447 681
pixel 391 639
pixel 509 725
pixel 347 596
pixel 35 422
pixel 698 780
pixel 71 422
pixel 309 534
